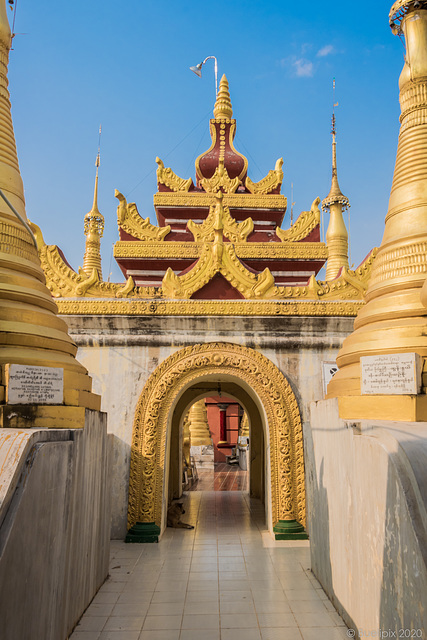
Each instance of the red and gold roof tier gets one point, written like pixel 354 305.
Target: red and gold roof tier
pixel 217 242
pixel 251 217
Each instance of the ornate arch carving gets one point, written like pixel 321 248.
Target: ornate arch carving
pixel 177 373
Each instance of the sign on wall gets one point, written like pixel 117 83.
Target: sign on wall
pixel 34 385
pixel 391 374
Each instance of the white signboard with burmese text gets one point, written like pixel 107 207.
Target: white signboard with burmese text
pixel 391 374
pixel 34 385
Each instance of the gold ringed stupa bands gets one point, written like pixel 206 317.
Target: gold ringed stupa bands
pixel 31 333
pixel 394 318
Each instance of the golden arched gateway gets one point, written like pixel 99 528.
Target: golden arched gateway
pixel 267 386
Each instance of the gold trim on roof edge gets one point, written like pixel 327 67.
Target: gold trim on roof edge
pixel 272 180
pixel 233 200
pixel 305 223
pixel 167 177
pixel 218 257
pixel 219 213
pixel 215 257
pixel 245 251
pixel 220 180
pixel 129 219
pixel 182 370
pixel 132 307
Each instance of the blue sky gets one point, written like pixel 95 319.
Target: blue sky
pixel 126 66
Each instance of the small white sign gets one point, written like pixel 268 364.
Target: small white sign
pixel 391 374
pixel 35 385
pixel 329 369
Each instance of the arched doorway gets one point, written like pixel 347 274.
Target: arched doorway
pixel 275 426
pixel 232 391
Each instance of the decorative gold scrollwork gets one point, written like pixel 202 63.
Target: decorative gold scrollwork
pixel 219 214
pixel 130 221
pixel 167 177
pixel 272 180
pixel 220 180
pixel 166 384
pixel 306 222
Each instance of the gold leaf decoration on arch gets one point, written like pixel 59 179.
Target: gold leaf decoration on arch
pixel 169 380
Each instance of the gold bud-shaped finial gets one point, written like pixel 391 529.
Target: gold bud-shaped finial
pixel 223 108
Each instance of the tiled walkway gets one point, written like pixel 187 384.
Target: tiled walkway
pixel 224 580
pixel 224 477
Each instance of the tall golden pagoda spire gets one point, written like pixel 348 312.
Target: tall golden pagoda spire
pixel 94 229
pixel 30 331
pixel 335 203
pixel 394 319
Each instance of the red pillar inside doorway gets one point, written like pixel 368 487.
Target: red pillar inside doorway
pixel 222 424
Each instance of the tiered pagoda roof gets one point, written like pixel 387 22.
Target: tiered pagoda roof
pixel 218 247
pixel 249 213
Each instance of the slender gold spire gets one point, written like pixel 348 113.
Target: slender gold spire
pixel 94 229
pixel 394 318
pixel 223 108
pixel 30 331
pixel 335 203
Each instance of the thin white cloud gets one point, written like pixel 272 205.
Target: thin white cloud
pixel 303 68
pixel 325 51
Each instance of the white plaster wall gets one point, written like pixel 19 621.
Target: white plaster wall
pixel 367 492
pixel 121 353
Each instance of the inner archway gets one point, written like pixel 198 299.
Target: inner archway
pixel 263 391
pixel 215 442
pixel 231 391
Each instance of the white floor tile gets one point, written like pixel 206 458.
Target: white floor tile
pixel 228 580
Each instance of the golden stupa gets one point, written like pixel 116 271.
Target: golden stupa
pixel 93 229
pixel 31 333
pixel 394 320
pixel 335 204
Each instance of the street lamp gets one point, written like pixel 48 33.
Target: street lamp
pixel 198 71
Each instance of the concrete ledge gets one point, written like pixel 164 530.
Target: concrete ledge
pixel 367 494
pixel 55 525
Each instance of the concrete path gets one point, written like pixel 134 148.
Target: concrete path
pixel 224 580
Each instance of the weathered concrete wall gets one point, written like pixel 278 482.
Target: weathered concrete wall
pixel 121 352
pixel 367 498
pixel 55 524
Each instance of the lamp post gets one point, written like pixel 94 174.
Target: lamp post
pixel 198 70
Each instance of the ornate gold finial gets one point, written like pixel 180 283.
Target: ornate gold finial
pixel 335 195
pixel 335 203
pixel 394 318
pixel 93 230
pixel 223 108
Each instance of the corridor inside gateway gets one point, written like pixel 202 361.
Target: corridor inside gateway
pixel 225 579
